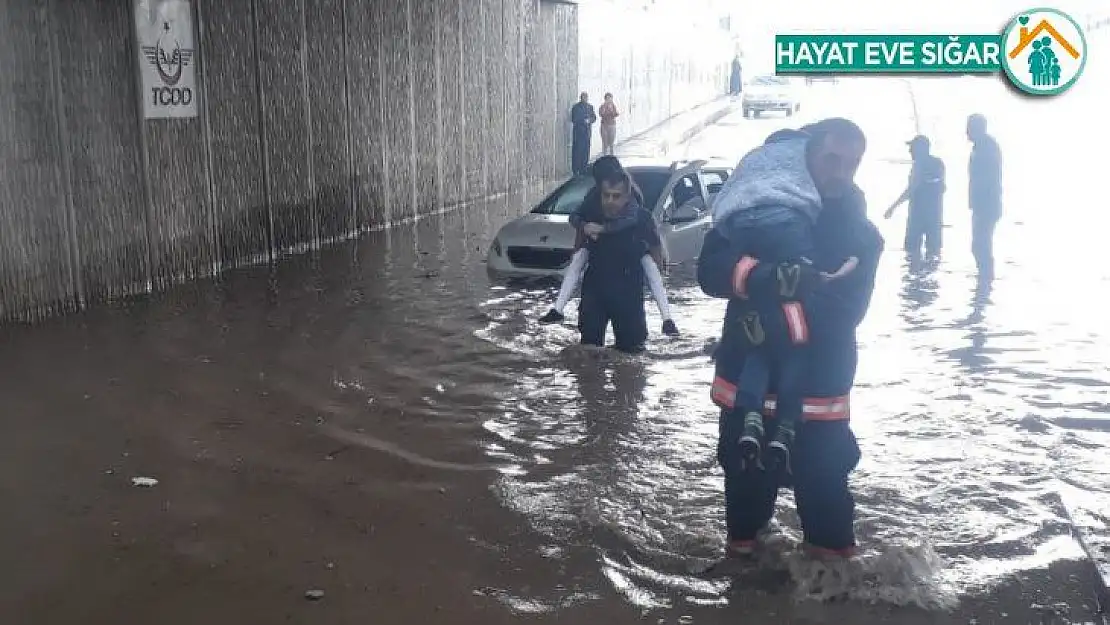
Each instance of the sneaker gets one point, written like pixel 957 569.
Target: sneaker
pixel 669 328
pixel 552 316
pixel 750 445
pixel 779 450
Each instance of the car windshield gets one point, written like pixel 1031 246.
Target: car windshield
pixel 566 198
pixel 770 81
pixel 569 196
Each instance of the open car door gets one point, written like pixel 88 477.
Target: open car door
pixel 682 213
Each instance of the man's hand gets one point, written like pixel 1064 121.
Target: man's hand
pixel 592 230
pixel 890 212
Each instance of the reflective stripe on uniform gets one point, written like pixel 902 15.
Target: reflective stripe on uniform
pixel 796 322
pixel 836 408
pixel 723 393
pixel 816 408
pixel 740 275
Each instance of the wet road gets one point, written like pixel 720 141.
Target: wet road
pixel 378 423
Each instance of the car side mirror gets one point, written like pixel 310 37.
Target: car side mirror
pixel 684 214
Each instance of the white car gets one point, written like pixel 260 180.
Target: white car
pixel 770 93
pixel 540 243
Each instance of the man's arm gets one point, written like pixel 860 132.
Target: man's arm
pixel 717 265
pixel 845 301
pixel 591 115
pixel 901 200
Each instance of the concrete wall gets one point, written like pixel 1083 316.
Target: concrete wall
pixel 318 119
pixel 656 63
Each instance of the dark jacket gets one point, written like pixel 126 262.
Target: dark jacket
pixel 985 177
pixel 834 310
pixel 615 257
pixel 582 115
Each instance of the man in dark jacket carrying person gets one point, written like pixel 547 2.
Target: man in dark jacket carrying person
pixel 825 449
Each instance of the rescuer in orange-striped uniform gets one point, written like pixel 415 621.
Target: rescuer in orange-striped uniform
pixel 825 449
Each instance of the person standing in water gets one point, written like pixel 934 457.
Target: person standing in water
pixel 925 194
pixel 608 113
pixel 589 222
pixel 984 193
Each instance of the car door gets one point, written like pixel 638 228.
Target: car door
pixel 683 197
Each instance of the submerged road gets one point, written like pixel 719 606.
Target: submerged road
pixel 378 423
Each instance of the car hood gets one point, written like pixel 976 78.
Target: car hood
pixel 538 230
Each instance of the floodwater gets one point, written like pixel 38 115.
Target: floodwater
pixel 378 423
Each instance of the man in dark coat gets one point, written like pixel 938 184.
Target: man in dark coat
pixel 582 118
pixel 825 449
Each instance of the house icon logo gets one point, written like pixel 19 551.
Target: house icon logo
pixel 1045 51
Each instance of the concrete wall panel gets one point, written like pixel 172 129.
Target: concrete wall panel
pixel 398 76
pixel 240 207
pixel 364 84
pixel 35 223
pixel 101 133
pixel 451 136
pixel 286 120
pixel 329 129
pixel 425 107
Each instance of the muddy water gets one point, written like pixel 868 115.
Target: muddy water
pixel 377 422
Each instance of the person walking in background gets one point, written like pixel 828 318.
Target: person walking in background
pixel 582 118
pixel 925 194
pixel 984 193
pixel 608 113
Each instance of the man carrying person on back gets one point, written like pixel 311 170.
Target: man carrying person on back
pixel 613 283
pixel 588 221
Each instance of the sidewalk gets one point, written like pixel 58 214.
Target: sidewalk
pixel 675 131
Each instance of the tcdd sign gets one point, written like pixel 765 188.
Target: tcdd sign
pixel 166 58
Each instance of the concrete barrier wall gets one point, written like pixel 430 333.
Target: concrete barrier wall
pixel 318 119
pixel 656 63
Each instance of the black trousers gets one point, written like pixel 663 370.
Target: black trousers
pixel 825 453
pixel 580 150
pixel 624 308
pixel 924 225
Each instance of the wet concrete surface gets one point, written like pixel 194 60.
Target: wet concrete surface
pixel 378 423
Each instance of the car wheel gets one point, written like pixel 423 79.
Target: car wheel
pixel 747 113
pixel 756 113
pixel 789 112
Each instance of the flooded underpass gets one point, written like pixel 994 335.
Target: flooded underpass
pixel 379 423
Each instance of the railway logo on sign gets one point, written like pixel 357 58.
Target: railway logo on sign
pixel 168 57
